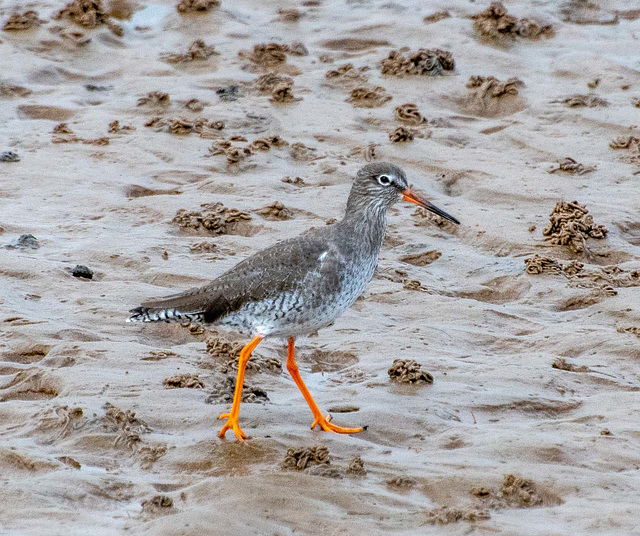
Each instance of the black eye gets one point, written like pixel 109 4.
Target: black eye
pixel 385 180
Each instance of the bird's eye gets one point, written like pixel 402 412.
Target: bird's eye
pixel 385 180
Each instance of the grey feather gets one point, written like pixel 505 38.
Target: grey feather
pixel 299 285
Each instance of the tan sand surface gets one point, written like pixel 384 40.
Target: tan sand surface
pixel 532 423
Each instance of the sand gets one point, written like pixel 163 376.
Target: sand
pixel 530 426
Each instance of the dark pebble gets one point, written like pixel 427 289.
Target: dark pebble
pixel 93 87
pixel 82 271
pixel 25 241
pixel 229 93
pixel 9 156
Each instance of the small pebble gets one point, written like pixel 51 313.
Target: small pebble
pixel 9 156
pixel 230 93
pixel 25 241
pixel 93 87
pixel 82 271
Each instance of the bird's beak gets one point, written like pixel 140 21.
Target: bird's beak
pixel 415 198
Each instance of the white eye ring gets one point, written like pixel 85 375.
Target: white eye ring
pixel 384 180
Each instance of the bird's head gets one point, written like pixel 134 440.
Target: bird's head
pixel 383 184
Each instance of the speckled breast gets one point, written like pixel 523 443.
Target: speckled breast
pixel 305 309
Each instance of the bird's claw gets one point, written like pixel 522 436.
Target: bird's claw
pixel 325 424
pixel 232 424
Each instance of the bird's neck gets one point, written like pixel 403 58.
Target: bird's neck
pixel 365 224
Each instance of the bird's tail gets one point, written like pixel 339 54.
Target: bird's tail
pixel 156 314
pixel 186 306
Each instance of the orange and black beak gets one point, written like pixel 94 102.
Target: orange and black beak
pixel 415 198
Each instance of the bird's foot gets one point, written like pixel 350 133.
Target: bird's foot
pixel 324 423
pixel 232 423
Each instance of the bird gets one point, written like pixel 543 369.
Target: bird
pixel 297 286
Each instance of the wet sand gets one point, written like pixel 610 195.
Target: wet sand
pixel 160 147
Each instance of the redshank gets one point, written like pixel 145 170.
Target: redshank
pixel 297 286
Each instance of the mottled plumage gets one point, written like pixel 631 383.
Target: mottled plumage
pixel 299 285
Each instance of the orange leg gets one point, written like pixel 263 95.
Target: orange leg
pixel 320 420
pixel 232 416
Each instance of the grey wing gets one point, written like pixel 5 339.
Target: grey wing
pixel 288 266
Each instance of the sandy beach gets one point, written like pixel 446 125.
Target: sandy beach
pixel 157 144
